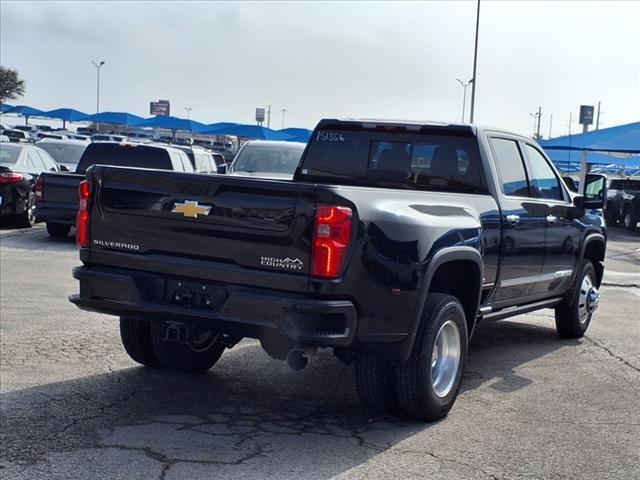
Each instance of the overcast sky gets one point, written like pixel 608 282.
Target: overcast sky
pixel 315 59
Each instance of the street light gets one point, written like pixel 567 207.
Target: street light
pixel 464 94
pixel 284 110
pixel 475 63
pixel 188 109
pixel 98 66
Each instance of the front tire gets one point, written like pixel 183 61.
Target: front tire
pixel 195 356
pixel 573 315
pixel 427 384
pixel 136 340
pixel 58 230
pixel 630 220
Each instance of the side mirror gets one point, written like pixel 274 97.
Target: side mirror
pixel 222 168
pixel 594 192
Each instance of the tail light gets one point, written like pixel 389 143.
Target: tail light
pixel 331 239
pixel 82 219
pixel 40 188
pixel 10 177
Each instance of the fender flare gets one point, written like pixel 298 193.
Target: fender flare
pixel 441 257
pixel 590 238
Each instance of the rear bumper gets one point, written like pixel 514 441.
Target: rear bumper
pixel 56 213
pixel 239 310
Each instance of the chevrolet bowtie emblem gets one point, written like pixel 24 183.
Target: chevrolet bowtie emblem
pixel 191 209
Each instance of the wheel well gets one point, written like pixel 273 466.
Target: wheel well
pixel 461 279
pixel 595 252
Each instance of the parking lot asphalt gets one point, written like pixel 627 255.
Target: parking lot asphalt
pixel 74 406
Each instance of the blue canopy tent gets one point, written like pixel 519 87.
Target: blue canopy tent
pixel 297 134
pixel 248 131
pixel 4 107
pixel 219 125
pixel 615 149
pixel 115 118
pixel 26 112
pixel 66 115
pixel 172 123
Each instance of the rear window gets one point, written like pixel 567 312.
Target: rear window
pixel 120 155
pixel 8 154
pixel 63 153
pixel 395 160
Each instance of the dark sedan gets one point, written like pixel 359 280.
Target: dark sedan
pixel 20 166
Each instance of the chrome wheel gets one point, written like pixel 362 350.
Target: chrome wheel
pixel 588 299
pixel 31 211
pixel 445 358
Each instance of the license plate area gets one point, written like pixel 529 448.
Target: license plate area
pixel 195 295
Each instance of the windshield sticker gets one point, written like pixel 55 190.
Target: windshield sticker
pixel 330 137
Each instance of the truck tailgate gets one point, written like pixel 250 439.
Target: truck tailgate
pixel 61 188
pixel 251 223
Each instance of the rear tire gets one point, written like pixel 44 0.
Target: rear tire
pixel 427 384
pixel 58 230
pixel 573 315
pixel 630 220
pixel 375 384
pixel 197 356
pixel 136 340
pixel 27 219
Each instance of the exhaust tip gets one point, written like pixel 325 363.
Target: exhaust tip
pixel 298 358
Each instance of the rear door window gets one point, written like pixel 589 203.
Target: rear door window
pixel 510 167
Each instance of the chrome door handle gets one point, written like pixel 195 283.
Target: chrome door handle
pixel 513 219
pixel 551 219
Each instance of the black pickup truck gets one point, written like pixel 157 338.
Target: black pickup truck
pixel 57 193
pixel 392 241
pixel 623 202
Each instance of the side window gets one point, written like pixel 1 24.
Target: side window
pixel 49 163
pixel 510 167
pixel 544 182
pixel 33 162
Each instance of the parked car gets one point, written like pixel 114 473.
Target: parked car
pixel 103 137
pixel 20 167
pixel 387 246
pixel 201 159
pixel 623 202
pixel 88 131
pixel 66 152
pixel 17 136
pixel 57 194
pixel 262 158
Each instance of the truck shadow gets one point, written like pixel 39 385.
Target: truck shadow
pixel 246 411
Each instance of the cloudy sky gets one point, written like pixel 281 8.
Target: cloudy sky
pixel 333 59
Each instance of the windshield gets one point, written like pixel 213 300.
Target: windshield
pixel 63 153
pixel 8 154
pixel 268 158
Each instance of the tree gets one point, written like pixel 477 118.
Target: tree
pixel 11 86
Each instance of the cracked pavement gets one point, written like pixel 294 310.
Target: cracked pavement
pixel 532 406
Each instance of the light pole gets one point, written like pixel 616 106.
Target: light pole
pixel 98 66
pixel 464 94
pixel 475 62
pixel 284 110
pixel 188 109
